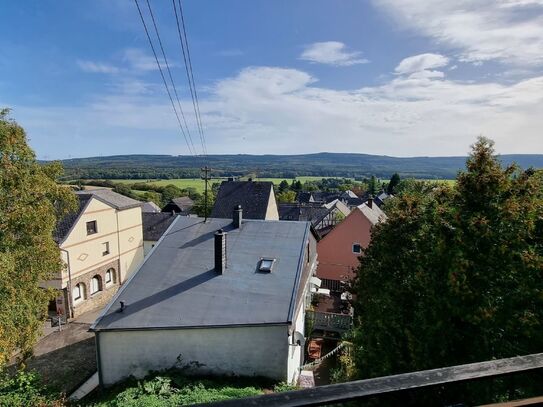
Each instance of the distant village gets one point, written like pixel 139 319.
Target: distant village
pixel 258 288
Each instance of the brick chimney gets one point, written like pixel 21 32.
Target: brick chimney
pixel 220 251
pixel 238 217
pixel 370 202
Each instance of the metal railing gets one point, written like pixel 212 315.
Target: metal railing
pixel 329 321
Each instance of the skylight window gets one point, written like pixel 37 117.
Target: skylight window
pixel 266 265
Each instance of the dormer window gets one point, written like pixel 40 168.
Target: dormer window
pixel 266 265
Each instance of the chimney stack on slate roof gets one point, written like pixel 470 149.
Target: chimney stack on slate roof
pixel 220 251
pixel 370 202
pixel 238 217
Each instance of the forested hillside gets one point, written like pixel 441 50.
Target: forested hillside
pixel 286 166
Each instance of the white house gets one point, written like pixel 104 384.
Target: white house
pixel 225 297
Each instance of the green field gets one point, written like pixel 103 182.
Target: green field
pixel 198 184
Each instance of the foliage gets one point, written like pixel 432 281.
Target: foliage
pixel 173 388
pixel 30 202
pixel 393 183
pixel 455 275
pixel 372 185
pixel 25 389
pixel 286 197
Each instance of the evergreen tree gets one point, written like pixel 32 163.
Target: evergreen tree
pixel 455 276
pixel 393 183
pixel 283 186
pixel 372 185
pixel 30 203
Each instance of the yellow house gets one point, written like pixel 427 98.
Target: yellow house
pixel 101 244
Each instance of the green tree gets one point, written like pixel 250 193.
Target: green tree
pixel 372 185
pixel 393 183
pixel 30 203
pixel 455 276
pixel 296 185
pixel 170 191
pixel 286 197
pixel 283 186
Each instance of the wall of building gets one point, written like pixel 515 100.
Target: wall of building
pixel 244 351
pixel 148 245
pixel 335 250
pixel 122 231
pixel 272 212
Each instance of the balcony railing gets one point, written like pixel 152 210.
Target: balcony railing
pixel 361 390
pixel 328 321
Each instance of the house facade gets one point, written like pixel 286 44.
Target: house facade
pixel 154 226
pixel 230 300
pixel 339 250
pixel 101 244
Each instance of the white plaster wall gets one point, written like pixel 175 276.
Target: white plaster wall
pixel 296 351
pixel 245 351
pixel 272 213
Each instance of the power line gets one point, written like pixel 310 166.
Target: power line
pixel 163 78
pixel 170 73
pixel 189 71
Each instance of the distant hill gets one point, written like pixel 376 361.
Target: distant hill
pixel 288 166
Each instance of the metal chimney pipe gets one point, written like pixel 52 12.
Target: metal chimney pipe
pixel 238 217
pixel 220 251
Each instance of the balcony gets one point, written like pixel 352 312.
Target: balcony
pixel 328 321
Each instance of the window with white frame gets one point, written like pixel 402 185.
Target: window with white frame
pixel 78 293
pixel 357 248
pixel 109 276
pixel 105 248
pixel 96 284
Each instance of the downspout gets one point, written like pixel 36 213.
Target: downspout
pixel 70 306
pixel 119 245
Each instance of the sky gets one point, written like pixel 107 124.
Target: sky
pixel 389 77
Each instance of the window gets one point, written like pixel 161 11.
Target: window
pixel 109 276
pixel 266 265
pixel 78 292
pixel 105 247
pixel 357 248
pixel 91 227
pixel 96 284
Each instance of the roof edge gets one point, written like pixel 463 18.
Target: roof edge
pixel 299 272
pixel 180 327
pixel 60 243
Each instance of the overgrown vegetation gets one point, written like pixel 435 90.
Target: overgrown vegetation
pixel 455 276
pixel 173 388
pixel 25 389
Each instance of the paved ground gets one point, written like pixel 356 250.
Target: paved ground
pixel 65 359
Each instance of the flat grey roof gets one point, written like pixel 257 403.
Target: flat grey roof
pixel 178 287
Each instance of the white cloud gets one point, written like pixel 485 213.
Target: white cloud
pixel 422 62
pixel 332 53
pixel 509 31
pixel 278 110
pixel 97 67
pixel 140 60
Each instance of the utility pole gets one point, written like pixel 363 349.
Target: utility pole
pixel 206 171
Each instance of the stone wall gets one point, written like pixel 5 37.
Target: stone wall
pixel 99 299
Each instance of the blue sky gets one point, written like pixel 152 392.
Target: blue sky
pixel 394 77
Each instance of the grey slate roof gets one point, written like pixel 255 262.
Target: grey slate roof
pixel 155 224
pixel 253 196
pixel 294 211
pixel 178 287
pixel 112 198
pixel 65 224
pixel 182 204
pixel 150 207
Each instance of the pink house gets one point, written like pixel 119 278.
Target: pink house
pixel 339 250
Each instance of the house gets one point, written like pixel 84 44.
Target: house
pixel 382 198
pixel 101 244
pixel 150 207
pixel 154 226
pixel 322 217
pixel 257 199
pixel 220 297
pixel 339 250
pixel 181 205
pixel 349 198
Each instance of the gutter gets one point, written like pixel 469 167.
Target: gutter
pixel 299 272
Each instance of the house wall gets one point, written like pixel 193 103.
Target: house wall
pixel 122 230
pixel 272 212
pixel 148 245
pixel 336 257
pixel 244 351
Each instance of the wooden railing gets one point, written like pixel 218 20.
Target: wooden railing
pixel 364 389
pixel 329 321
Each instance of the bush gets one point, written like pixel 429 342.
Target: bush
pixel 26 389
